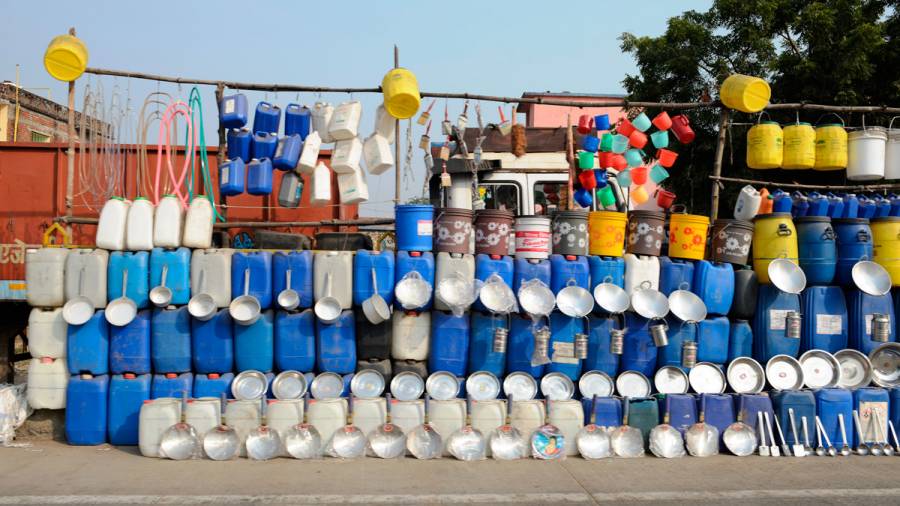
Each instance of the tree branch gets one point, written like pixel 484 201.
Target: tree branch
pixel 786 35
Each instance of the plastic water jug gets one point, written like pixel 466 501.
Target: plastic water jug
pixel 139 227
pixel 213 385
pixel 45 276
pixel 177 264
pixel 824 326
pixel 297 120
pixel 408 414
pixel 860 309
pixel 383 265
pixel 168 222
pixel 254 344
pixel 233 111
pixel 243 416
pixel 562 345
pixel 712 340
pixel 260 265
pixel 267 118
pixel 46 383
pixel 85 273
pixel 369 414
pixel 129 346
pixel 198 223
pixel 800 206
pixel 830 402
pixel 641 268
pixel 783 202
pixel 865 401
pixel 112 224
pixel 740 340
pixel 211 273
pixel 568 417
pixel 835 206
pixel 287 153
pixel 384 123
pixel 482 356
pixel 447 417
pixel 300 263
pixel 607 411
pixel 804 405
pixel 818 204
pixel 520 347
pixel 449 350
pixel 352 187
pixel 259 176
pixel 882 206
pixel 643 414
pixel 377 154
pixel 87 347
pixel 212 344
pixel 675 274
pixel 127 393
pixel 309 155
pixel 203 414
pixel 866 207
pixel 295 341
pixel 291 190
pixel 747 203
pixel 239 144
pixel 769 337
pixel 232 177
pixel 449 265
pixel 137 264
pixel 527 416
pixel 344 124
pixel 568 270
pixel 171 340
pixel 420 262
pixel 851 206
pixel 339 264
pixel 86 402
pixel 487 416
pixel 678 333
pixel 599 357
pixel 328 415
pixel 171 385
pixel 639 353
pixel 411 335
pixel 155 417
pixel 47 333
pixel 607 269
pixel 487 265
pixel 346 156
pixel 817 248
pixel 527 269
pixel 283 414
pixel 746 289
pixel 714 283
pixel 681 408
pixel 719 412
pixel 336 344
pixel 854 243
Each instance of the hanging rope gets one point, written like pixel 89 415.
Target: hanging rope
pixel 196 104
pixel 166 123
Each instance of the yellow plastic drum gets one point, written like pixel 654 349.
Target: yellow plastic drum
pixel 745 93
pixel 687 236
pixel 774 236
pixel 607 229
pixel 765 146
pixel 66 58
pixel 799 146
pixel 831 147
pixel 886 239
pixel 401 93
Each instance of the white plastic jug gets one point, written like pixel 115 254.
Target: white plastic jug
pixel 198 224
pixel 447 266
pixel 568 417
pixel 487 416
pixel 327 416
pixel 369 414
pixel 377 154
pixel 384 124
pixel 344 123
pixel 321 119
pixel 747 204
pixel 352 187
pixel 309 156
pixel 156 416
pixel 139 228
pixel 866 154
pixel 283 414
pixel 638 269
pixel 47 333
pixel 243 416
pixel 211 273
pixel 346 155
pixel 47 380
pixel 203 414
pixel 111 227
pixel 320 183
pixel 408 414
pixel 527 416
pixel 45 276
pixel 892 155
pixel 447 417
pixel 92 265
pixel 411 333
pixel 340 265
pixel 168 223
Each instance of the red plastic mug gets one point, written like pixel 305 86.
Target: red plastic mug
pixel 585 124
pixel 662 121
pixel 666 157
pixel 618 162
pixel 639 175
pixel 625 127
pixel 605 159
pixel 587 179
pixel 664 198
pixel 637 139
pixel 681 128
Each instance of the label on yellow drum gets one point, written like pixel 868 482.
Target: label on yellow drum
pixel 829 324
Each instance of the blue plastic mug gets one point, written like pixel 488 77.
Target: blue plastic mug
pixel 601 122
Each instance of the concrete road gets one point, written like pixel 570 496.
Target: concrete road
pixel 54 473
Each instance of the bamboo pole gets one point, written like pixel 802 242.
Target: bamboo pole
pixel 222 152
pixel 570 156
pixel 717 164
pixel 862 187
pixel 70 152
pixel 397 175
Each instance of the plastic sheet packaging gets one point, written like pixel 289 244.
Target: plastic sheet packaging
pixel 14 410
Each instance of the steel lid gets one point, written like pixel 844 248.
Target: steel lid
pixel 367 384
pixel 671 380
pixel 885 361
pixel 871 278
pixel 249 385
pixel 856 370
pixel 746 376
pixel 442 386
pixel 482 386
pixel 611 298
pixel 787 276
pixel 707 378
pixel 327 385
pixel 289 385
pixel 820 369
pixel 784 373
pixel 687 306
pixel 556 386
pixel 520 386
pixel 650 303
pixel 596 383
pixel 632 384
pixel 407 386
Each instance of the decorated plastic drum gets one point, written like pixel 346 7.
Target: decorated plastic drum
pixel 482 386
pixel 632 384
pixel 520 386
pixel 596 383
pixel 442 386
pixel 707 378
pixel 556 386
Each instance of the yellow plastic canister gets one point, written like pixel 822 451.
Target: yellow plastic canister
pixel 799 146
pixel 774 236
pixel 765 146
pixel 886 242
pixel 745 93
pixel 66 58
pixel 831 147
pixel 401 93
pixel 607 233
pixel 687 236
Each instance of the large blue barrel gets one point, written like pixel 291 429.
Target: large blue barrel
pixel 212 344
pixel 260 265
pixel 336 344
pixel 740 340
pixel 170 341
pixel 86 402
pixel 254 345
pixel 639 353
pixel 137 263
pixel 607 411
pixel 233 111
pixel 829 403
pixel 87 346
pixel 678 333
pixel 607 270
pixel 818 249
pixel 854 243
pixel 213 385
pixel 860 308
pixel 178 277
pixel 171 385
pixel 383 264
pixel 482 356
pixel 127 394
pixel 297 120
pixel 487 265
pixel 449 350
pixel 420 262
pixel 803 402
pixel 295 341
pixel 520 346
pixel 748 405
pixel 569 269
pixel 129 346
pixel 599 357
pixel 529 268
pixel 414 223
pixel 825 320
pixel 675 274
pixel 239 144
pixel 300 264
pixel 267 117
pixel 714 283
pixel 769 324
pixel 562 345
pixel 681 408
pixel 712 340
pixel 864 401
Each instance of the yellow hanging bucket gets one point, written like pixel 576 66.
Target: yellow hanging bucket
pixel 401 93
pixel 886 242
pixel 745 93
pixel 774 236
pixel 831 147
pixel 799 147
pixel 607 229
pixel 687 236
pixel 765 145
pixel 66 58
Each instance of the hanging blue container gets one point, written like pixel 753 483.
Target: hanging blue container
pixel 254 345
pixel 835 206
pixel 233 111
pixel 718 411
pixel 213 385
pixel 800 206
pixel 239 144
pixel 300 263
pixel 824 325
pixel 606 269
pixel 520 346
pixel 171 385
pixel 259 177
pixel 420 262
pixel 748 405
pixel 769 337
pixel 414 227
pixel 782 202
pixel 486 265
pixel 212 344
pixel 295 341
pixel 675 274
pixel 830 402
pixel 87 346
pixel 482 356
pixel 137 263
pixel 599 357
pixel 803 402
pixel 267 118
pixel 528 269
pixel 818 249
pixel 449 350
pixel 590 143
pixel 171 340
pixel 297 121
pixel 895 205
pixel 860 308
pixel 86 402
pixel 607 411
pixel 287 154
pixel 178 277
pixel 818 204
pixel 882 207
pixel 562 345
pixel 854 243
pixel 682 410
pixel 678 333
pixel 740 340
pixel 383 265
pixel 336 344
pixel 232 177
pixel 714 283
pixel 569 270
pixel 712 340
pixel 639 353
pixel 851 206
pixel 129 346
pixel 263 145
pixel 127 393
pixel 260 265
pixel 866 208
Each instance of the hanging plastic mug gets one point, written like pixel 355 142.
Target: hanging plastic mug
pixel 624 178
pixel 605 159
pixel 587 179
pixel 585 124
pixel 639 175
pixel 600 177
pixel 618 162
pixel 619 143
pixel 666 157
pixel 606 196
pixel 637 139
pixel 585 160
pixel 639 195
pixel 606 141
pixel 662 121
pixel 633 158
pixel 658 174
pixel 583 197
pixel 601 122
pixel 660 139
pixel 681 128
pixel 590 143
pixel 664 198
pixel 641 122
pixel 625 128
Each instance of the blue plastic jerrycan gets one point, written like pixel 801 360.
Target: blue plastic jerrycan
pixel 129 346
pixel 87 346
pixel 254 344
pixel 607 411
pixel 714 283
pixel 137 263
pixel 213 385
pixel 825 322
pixel 740 340
pixel 170 341
pixel 861 308
pixel 449 350
pixel 212 344
pixel 127 393
pixel 295 341
pixel 287 153
pixel 562 345
pixel 267 118
pixel 675 274
pixel 718 410
pixel 259 265
pixel 682 410
pixel 528 269
pixel 712 340
pixel 177 264
pixel 678 333
pixel 86 414
pixel 239 144
pixel 639 353
pixel 171 385
pixel 803 402
pixel 749 405
pixel 300 263
pixel 482 356
pixel 769 337
pixel 520 347
pixel 363 265
pixel 599 358
pixel 259 176
pixel 297 120
pixel 487 265
pixel 568 270
pixel 420 262
pixel 233 111
pixel 831 402
pixel 336 344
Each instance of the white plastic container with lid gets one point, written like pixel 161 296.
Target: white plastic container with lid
pixel 892 155
pixel 243 416
pixel 487 416
pixel 527 416
pixel 339 264
pixel 47 333
pixel 346 156
pixel 447 417
pixel 198 224
pixel 447 266
pixel 410 335
pixel 211 273
pixel 320 183
pixel 139 227
pixel 283 414
pixel 747 204
pixel 45 276
pixel 377 154
pixel 352 187
pixel 168 222
pixel 203 414
pixel 344 123
pixel 408 414
pixel 309 156
pixel 86 272
pixel 156 416
pixel 568 417
pixel 866 154
pixel 112 224
pixel 385 124
pixel 321 119
pixel 46 385
pixel 532 237
pixel 369 414
pixel 327 416
pixel 638 269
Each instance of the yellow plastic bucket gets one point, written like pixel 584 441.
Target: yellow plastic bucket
pixel 799 146
pixel 886 242
pixel 687 236
pixel 831 147
pixel 774 236
pixel 401 93
pixel 66 58
pixel 765 146
pixel 607 233
pixel 745 93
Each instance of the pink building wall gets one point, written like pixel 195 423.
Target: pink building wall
pixel 538 115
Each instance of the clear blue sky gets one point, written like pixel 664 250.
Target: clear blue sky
pixel 492 47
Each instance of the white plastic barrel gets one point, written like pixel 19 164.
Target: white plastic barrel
pixel 377 154
pixel 866 154
pixel 641 268
pixel 344 123
pixel 346 156
pixel 156 416
pixel 46 385
pixel 447 417
pixel 340 265
pixel 92 264
pixel 198 224
pixel 352 187
pixel 369 414
pixel 892 155
pixel 167 223
pixel 284 414
pixel 139 227
pixel 243 416
pixel 447 266
pixel 533 237
pixel 527 416
pixel 568 417
pixel 47 333
pixel 309 156
pixel 487 416
pixel 320 186
pixel 384 124
pixel 45 276
pixel 327 416
pixel 112 223
pixel 214 267
pixel 203 414
pixel 408 414
pixel 411 333
pixel 321 118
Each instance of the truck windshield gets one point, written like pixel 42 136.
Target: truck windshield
pixel 548 197
pixel 503 196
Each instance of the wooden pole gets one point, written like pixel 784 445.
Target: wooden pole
pixel 70 152
pixel 717 164
pixel 818 187
pixel 570 156
pixel 397 141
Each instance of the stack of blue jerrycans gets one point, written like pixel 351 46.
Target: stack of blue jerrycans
pixel 840 205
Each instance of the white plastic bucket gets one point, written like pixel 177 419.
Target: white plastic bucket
pixel 866 154
pixel 533 237
pixel 155 417
pixel 568 416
